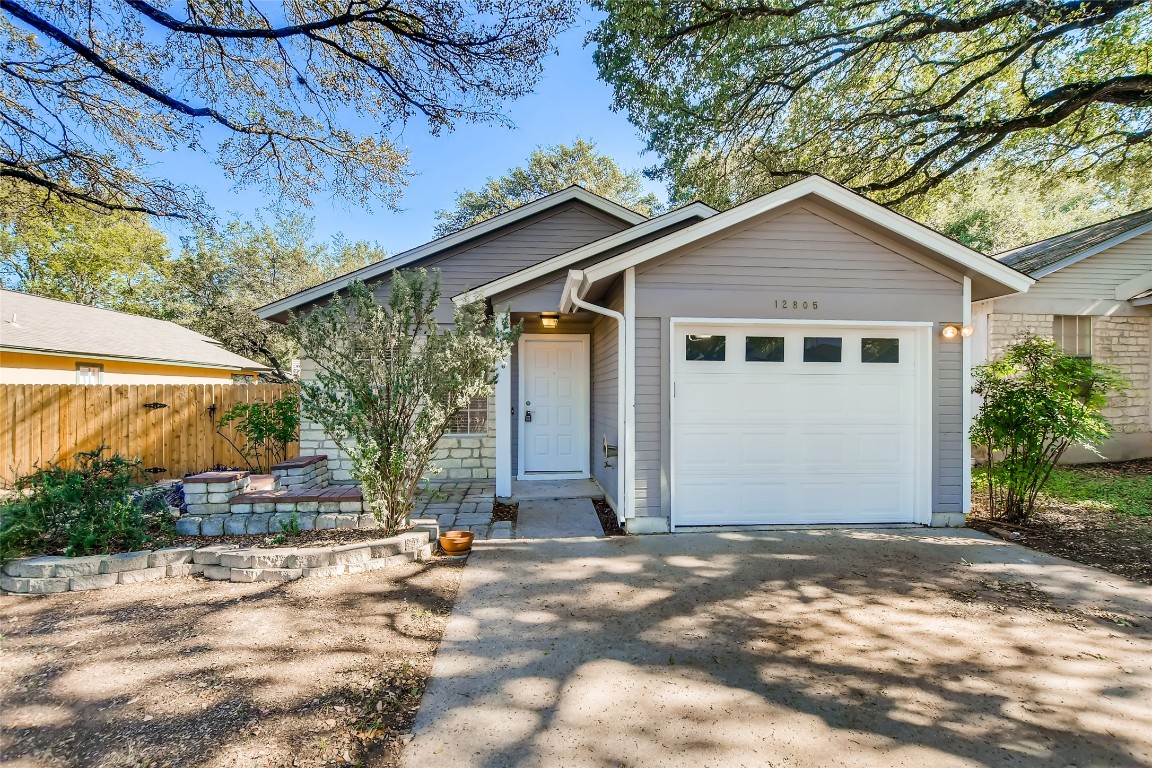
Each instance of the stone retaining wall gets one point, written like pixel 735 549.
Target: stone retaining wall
pixel 301 472
pixel 209 493
pixel 221 562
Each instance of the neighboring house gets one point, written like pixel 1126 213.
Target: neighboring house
pixel 45 341
pixel 780 362
pixel 1093 294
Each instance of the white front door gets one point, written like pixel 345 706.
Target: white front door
pixel 786 424
pixel 553 408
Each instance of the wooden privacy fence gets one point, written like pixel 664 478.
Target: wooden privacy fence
pixel 171 428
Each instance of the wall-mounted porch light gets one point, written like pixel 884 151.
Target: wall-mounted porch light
pixel 951 331
pixel 549 319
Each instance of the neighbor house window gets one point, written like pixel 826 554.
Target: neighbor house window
pixel 704 348
pixel 473 420
pixel 822 349
pixel 89 373
pixel 1074 334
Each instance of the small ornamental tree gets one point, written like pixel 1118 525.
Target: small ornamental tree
pixel 389 380
pixel 267 428
pixel 1038 401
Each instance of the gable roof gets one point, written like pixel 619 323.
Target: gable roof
pixel 427 250
pixel 1055 253
pixel 694 210
pixel 990 277
pixel 36 324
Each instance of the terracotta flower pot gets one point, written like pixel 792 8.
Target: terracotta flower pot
pixel 456 542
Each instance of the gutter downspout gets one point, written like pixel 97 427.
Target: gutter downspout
pixel 623 500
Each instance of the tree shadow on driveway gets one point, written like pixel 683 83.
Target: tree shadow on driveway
pixel 805 648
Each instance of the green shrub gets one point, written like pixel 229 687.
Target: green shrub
pixel 267 428
pixel 94 507
pixel 1038 401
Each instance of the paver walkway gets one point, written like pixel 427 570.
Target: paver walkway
pixel 802 648
pixel 462 506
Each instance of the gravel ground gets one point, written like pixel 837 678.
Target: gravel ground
pixel 187 672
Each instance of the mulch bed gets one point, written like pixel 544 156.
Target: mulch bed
pixel 189 673
pixel 1114 542
pixel 505 513
pixel 608 519
pixel 330 537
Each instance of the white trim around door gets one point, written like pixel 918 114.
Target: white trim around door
pixel 919 336
pixel 578 409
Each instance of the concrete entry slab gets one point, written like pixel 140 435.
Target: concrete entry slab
pixel 558 519
pixel 861 648
pixel 534 490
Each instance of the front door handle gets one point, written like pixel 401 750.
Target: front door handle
pixel 527 415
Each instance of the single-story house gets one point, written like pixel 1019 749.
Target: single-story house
pixel 795 359
pixel 1093 294
pixel 45 341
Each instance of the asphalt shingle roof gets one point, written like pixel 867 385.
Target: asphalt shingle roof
pixel 36 323
pixel 1033 258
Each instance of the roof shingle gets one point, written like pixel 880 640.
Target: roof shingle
pixel 35 323
pixel 1036 257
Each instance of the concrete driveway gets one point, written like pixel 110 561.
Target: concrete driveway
pixel 806 648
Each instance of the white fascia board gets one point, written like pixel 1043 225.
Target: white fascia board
pixel 405 258
pixel 1134 287
pixel 1081 255
pixel 962 256
pixel 528 274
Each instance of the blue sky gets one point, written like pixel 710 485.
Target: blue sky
pixel 568 102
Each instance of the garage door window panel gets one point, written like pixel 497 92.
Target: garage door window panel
pixel 879 350
pixel 823 349
pixel 700 348
pixel 764 349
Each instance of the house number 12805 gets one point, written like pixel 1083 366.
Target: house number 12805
pixel 795 304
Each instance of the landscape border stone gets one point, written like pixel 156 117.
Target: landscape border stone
pixel 218 562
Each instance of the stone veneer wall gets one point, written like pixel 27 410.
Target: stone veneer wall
pixel 1123 342
pixel 461 457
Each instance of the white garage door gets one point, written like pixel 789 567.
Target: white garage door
pixel 794 424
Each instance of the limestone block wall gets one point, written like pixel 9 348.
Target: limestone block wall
pixel 1126 342
pixel 460 457
pixel 1123 342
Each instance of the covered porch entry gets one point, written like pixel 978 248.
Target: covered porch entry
pixel 555 409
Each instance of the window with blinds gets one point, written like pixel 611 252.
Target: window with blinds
pixel 473 420
pixel 1074 334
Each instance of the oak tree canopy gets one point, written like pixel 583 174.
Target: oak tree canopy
pixel 890 99
pixel 293 97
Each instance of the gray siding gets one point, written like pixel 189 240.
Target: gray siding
pixel 1087 287
pixel 798 255
pixel 1096 277
pixel 605 389
pixel 508 251
pixel 543 295
pixel 947 425
pixel 651 428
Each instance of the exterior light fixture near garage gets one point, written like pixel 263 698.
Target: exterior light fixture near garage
pixel 549 319
pixel 951 331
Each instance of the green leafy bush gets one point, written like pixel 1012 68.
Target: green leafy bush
pixel 1038 401
pixel 94 507
pixel 267 428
